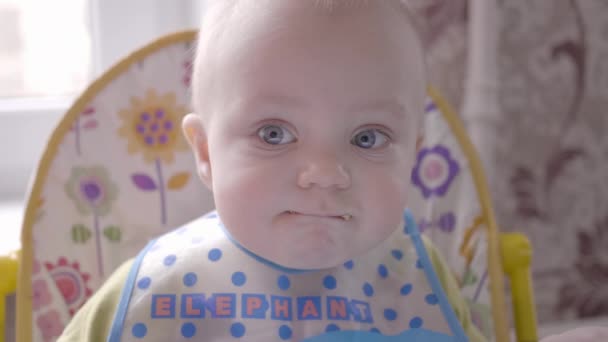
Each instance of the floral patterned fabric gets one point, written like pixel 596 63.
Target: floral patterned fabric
pixel 122 175
pixel 444 202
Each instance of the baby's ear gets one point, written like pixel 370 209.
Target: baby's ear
pixel 192 126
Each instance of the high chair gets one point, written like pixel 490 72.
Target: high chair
pixel 117 172
pixel 8 285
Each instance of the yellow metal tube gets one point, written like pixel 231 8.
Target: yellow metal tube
pixel 516 257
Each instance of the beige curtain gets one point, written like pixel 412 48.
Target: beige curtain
pixel 531 80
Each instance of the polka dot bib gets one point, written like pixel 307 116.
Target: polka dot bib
pixel 195 283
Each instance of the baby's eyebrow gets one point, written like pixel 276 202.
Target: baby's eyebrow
pixel 273 99
pixel 389 106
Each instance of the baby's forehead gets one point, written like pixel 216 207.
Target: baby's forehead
pixel 224 15
pixel 228 23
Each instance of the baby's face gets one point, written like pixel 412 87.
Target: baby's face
pixel 312 136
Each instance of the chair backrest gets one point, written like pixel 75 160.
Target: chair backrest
pixel 117 172
pixel 451 203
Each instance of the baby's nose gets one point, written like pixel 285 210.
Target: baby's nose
pixel 324 171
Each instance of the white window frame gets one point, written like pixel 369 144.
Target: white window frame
pixel 118 27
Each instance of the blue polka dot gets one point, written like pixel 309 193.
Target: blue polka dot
pixel 431 299
pixel 169 260
pixel 239 278
pixel 349 264
pixel 332 327
pixel 375 330
pixel 382 271
pixel 329 282
pixel 190 279
pixel 139 330
pixel 284 282
pixel 237 330
pixel 397 254
pixel 368 289
pixel 419 264
pixel 215 254
pixel 188 330
pixel 390 314
pixel 284 332
pixel 144 283
pixel 406 289
pixel 416 323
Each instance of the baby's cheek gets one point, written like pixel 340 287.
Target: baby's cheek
pixel 394 185
pixel 230 192
pixel 388 197
pixel 243 192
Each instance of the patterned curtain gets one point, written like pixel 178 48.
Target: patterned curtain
pixel 537 109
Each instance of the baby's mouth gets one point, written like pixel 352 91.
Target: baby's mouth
pixel 343 217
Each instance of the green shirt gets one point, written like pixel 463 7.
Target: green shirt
pixel 93 321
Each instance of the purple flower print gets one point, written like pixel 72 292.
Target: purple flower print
pixel 434 171
pixel 151 127
pixel 93 192
pixel 446 223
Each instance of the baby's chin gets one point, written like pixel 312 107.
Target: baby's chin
pixel 307 248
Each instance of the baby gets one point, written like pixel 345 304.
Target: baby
pixel 306 126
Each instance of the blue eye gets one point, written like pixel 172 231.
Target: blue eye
pixel 275 135
pixel 370 138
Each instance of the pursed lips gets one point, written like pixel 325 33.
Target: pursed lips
pixel 343 217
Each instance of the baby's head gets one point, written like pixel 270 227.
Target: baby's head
pixel 307 117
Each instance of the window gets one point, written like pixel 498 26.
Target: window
pixel 45 47
pixel 50 51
